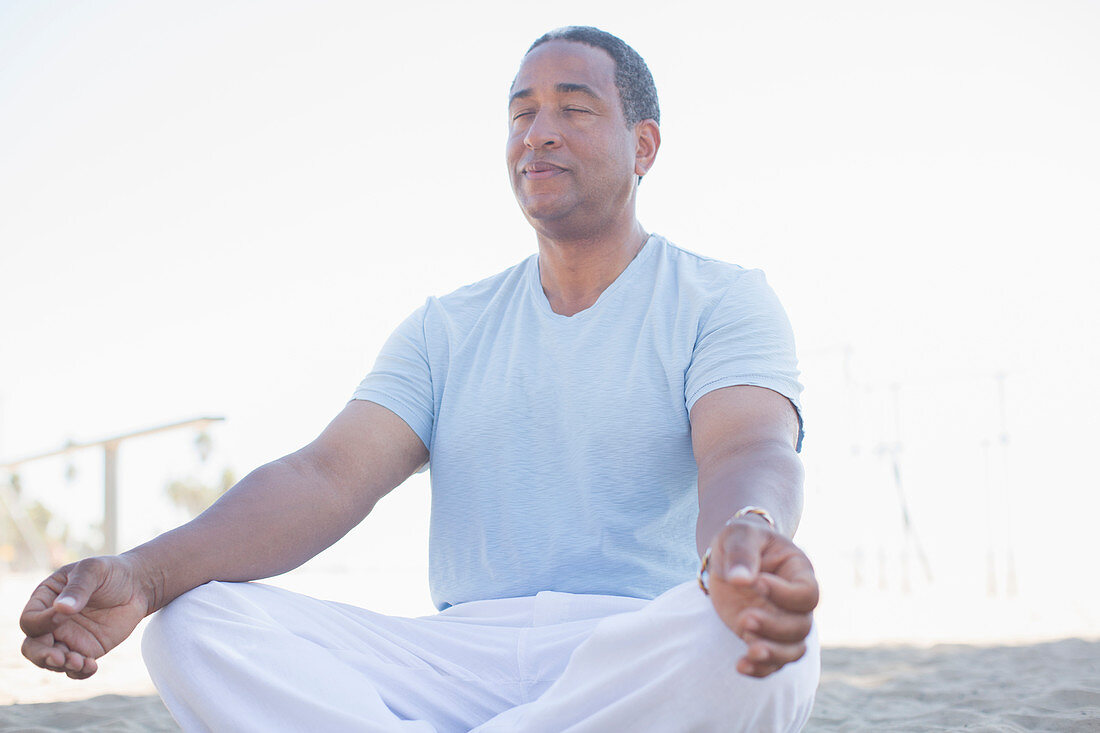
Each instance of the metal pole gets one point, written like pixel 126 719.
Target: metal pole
pixel 110 498
pixel 1010 560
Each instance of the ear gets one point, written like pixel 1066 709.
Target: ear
pixel 648 139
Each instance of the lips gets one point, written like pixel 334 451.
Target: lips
pixel 541 169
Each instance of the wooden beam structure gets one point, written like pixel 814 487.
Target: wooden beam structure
pixel 110 447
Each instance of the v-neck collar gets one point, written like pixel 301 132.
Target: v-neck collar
pixel 543 304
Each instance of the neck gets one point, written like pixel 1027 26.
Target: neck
pixel 575 272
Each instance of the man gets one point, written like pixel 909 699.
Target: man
pixel 569 406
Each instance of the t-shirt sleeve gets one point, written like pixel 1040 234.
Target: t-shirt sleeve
pixel 746 339
pixel 401 380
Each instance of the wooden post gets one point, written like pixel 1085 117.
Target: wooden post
pixel 110 498
pixel 110 471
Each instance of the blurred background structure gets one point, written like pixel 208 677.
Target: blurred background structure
pixel 30 541
pixel 225 207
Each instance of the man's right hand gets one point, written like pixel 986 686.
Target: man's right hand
pixel 81 612
pixel 289 510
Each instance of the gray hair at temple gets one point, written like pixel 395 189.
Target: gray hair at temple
pixel 637 92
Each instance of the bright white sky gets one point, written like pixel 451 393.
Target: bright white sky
pixel 224 207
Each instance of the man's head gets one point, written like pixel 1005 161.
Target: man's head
pixel 637 92
pixel 573 153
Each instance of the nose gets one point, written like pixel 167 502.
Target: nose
pixel 542 133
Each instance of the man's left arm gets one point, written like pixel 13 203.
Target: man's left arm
pixel 763 587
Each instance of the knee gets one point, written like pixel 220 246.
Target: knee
pixel 179 629
pixel 781 701
pixel 714 643
pixel 709 652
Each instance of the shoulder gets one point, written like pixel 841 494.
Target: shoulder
pixel 487 287
pixel 470 302
pixel 704 279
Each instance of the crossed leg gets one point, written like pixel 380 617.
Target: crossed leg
pixel 668 667
pixel 244 656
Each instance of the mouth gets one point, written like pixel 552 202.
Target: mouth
pixel 541 169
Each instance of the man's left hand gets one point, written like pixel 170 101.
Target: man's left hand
pixel 764 589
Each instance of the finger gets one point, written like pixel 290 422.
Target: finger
pixel 91 666
pixel 74 662
pixel 737 551
pixel 799 594
pixel 78 666
pixel 83 579
pixel 774 624
pixel 89 669
pixel 37 616
pixel 785 559
pixel 38 622
pixel 753 669
pixel 764 657
pixel 42 652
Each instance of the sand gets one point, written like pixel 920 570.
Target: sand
pixel 119 713
pixel 1052 686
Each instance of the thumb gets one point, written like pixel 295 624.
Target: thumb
pixel 83 580
pixel 739 551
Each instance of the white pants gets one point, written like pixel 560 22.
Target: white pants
pixel 250 657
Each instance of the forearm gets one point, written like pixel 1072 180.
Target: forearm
pixel 272 521
pixel 767 474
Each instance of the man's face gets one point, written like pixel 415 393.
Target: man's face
pixel 571 156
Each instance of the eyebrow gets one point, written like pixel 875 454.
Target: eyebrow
pixel 560 88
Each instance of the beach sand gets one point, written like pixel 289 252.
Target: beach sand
pixel 1050 686
pixel 121 713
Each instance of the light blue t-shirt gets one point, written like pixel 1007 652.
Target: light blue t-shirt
pixel 560 446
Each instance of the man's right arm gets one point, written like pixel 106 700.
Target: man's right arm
pixel 273 520
pixel 285 512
